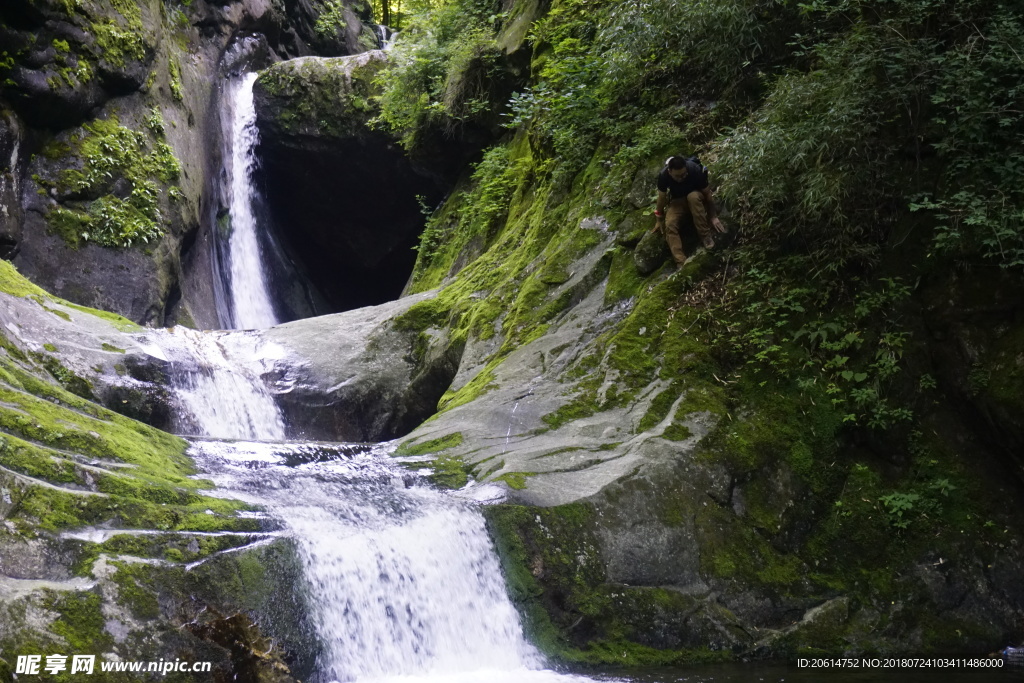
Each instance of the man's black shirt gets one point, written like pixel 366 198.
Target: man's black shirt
pixel 694 180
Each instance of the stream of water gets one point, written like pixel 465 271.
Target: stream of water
pixel 251 305
pixel 403 582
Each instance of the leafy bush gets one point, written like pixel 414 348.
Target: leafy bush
pixel 809 163
pixel 440 70
pixel 978 103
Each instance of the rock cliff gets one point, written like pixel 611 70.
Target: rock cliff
pixel 110 119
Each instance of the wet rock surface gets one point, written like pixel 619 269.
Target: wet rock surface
pixel 356 376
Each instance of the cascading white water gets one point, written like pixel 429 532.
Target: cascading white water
pixel 216 378
pixel 404 584
pixel 250 299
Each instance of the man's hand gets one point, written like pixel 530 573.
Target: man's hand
pixel 717 224
pixel 659 224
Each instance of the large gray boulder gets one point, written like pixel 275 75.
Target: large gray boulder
pixel 362 375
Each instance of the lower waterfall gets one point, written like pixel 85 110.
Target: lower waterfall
pixel 403 583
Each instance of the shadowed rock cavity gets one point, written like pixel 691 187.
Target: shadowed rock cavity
pixel 342 197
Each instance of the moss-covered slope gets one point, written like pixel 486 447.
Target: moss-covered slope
pixel 803 441
pixel 108 543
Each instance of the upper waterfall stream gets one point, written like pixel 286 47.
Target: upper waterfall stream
pixel 251 305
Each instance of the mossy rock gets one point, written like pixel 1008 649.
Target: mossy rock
pixel 650 253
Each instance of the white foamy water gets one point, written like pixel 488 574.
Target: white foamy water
pixel 403 582
pixel 216 377
pixel 250 299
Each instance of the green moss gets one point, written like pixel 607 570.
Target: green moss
pixel 71 426
pixel 677 432
pixel 109 150
pixel 625 653
pixel 659 408
pixel 732 550
pixel 432 446
pixel 558 544
pixel 12 282
pixel 124 39
pixel 70 225
pixel 483 382
pixel 171 546
pixel 113 349
pixel 703 398
pixel 119 322
pixel 49 430
pixel 561 543
pixel 584 404
pixel 69 380
pixel 80 622
pixel 623 281
pixel 450 472
pixel 174 74
pixel 515 480
pixel 50 347
pixel 424 315
pixel 136 589
pixel 324 96
pixel 26 458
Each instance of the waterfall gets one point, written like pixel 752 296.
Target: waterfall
pixel 216 377
pixel 251 306
pixel 404 584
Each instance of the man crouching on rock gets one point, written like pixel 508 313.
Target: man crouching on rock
pixel 683 188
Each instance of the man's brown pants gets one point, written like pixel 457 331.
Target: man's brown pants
pixel 693 204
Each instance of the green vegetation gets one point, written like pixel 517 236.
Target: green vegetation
pixel 314 92
pixel 174 73
pixel 862 149
pixel 450 472
pixel 444 74
pixel 67 449
pixel 433 446
pixel 331 19
pixel 110 151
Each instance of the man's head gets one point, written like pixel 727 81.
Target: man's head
pixel 677 168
